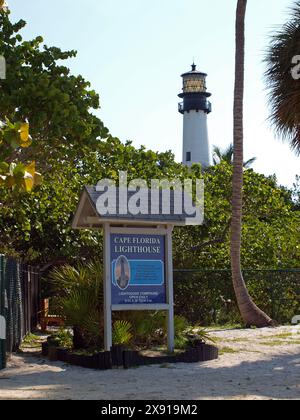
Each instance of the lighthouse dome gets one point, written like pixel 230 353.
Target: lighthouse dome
pixel 194 82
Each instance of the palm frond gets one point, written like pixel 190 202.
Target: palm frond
pixel 122 332
pixel 226 155
pixel 250 162
pixel 284 90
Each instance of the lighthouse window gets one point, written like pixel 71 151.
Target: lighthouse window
pixel 193 84
pixel 188 156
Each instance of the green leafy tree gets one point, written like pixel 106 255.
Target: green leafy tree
pixel 14 141
pixel 38 226
pixel 16 175
pixel 39 88
pixel 296 193
pixel 270 225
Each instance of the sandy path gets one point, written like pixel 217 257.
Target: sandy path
pixel 255 364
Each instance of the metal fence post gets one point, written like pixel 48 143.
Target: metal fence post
pixel 107 290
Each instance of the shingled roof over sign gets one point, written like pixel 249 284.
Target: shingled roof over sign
pixel 87 216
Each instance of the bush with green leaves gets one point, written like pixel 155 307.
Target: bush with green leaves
pixel 211 300
pixel 150 328
pixel 198 334
pixel 79 300
pixel 16 175
pixel 122 333
pixel 62 338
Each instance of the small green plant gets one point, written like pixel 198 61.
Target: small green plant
pixel 31 341
pixel 181 328
pixel 62 338
pixel 122 333
pixel 180 325
pixel 181 343
pixel 149 328
pixel 198 333
pixel 152 329
pixel 205 336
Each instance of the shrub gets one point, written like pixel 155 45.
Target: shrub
pixel 63 338
pixel 80 301
pixel 122 333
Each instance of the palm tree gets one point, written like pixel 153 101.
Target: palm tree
pixel 282 77
pixel 251 314
pixel 226 155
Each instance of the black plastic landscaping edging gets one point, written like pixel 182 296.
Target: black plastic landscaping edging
pixel 202 353
pixel 120 357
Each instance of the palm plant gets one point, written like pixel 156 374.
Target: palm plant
pixel 151 328
pixel 122 332
pixel 284 89
pixel 226 155
pixel 251 314
pixel 198 333
pixel 79 299
pixel 148 327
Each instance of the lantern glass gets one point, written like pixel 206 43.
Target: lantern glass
pixel 194 83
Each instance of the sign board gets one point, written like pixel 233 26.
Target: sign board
pixel 138 273
pixel 137 252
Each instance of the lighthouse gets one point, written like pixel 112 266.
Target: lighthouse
pixel 195 109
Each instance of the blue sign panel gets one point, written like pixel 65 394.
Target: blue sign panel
pixel 138 269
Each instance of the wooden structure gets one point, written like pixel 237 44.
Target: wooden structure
pixel 47 319
pixel 124 223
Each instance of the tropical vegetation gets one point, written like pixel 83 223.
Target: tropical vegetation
pixel 226 155
pixel 16 175
pixel 282 79
pixel 78 298
pixel 71 147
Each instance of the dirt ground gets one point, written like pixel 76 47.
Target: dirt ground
pixel 253 365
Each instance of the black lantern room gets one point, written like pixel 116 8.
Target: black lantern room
pixel 194 92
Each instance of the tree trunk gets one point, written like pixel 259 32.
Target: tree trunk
pixel 251 314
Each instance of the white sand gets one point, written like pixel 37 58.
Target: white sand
pixel 255 371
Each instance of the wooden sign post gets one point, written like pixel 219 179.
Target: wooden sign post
pixel 138 261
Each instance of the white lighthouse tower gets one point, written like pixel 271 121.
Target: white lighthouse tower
pixel 195 108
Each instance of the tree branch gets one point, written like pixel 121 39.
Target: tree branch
pixel 219 240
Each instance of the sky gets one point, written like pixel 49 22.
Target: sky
pixel 134 51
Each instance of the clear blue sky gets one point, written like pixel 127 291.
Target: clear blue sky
pixel 133 52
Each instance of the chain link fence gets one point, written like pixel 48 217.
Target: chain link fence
pixel 207 296
pixel 3 310
pixel 19 304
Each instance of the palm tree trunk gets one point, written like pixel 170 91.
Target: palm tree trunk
pixel 251 314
